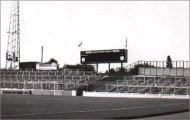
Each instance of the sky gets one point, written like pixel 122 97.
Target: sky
pixel 154 29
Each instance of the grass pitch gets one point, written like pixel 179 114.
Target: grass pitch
pixel 62 107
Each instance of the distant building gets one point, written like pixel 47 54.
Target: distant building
pixel 27 65
pixel 46 66
pixel 38 66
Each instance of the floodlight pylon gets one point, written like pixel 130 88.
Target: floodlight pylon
pixel 13 44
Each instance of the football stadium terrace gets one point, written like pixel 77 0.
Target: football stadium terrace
pixel 39 80
pixel 147 81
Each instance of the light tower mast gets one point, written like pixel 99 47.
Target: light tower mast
pixel 13 44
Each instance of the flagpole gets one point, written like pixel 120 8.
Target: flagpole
pixel 126 43
pixel 125 48
pixel 80 45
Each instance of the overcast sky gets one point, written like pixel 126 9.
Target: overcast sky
pixel 154 29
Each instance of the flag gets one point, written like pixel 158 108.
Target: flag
pixel 80 44
pixel 126 42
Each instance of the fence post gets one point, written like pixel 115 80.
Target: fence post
pixel 144 67
pixel 54 88
pixel 24 84
pixel 117 85
pixel 176 68
pixel 4 84
pixel 150 68
pixel 162 67
pixel 183 69
pixel 156 68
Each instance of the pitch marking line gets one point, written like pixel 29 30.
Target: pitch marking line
pixel 100 110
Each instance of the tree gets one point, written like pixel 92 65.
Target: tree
pixel 80 67
pixel 134 71
pixel 52 60
pixel 121 70
pixel 169 62
pixel 112 70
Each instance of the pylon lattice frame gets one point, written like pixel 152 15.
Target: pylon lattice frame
pixel 13 44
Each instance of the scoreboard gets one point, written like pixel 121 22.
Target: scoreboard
pixel 104 56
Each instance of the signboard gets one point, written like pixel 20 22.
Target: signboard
pixel 104 56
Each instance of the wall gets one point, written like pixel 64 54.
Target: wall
pixel 38 92
pixel 134 95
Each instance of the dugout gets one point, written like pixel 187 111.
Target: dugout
pixel 79 90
